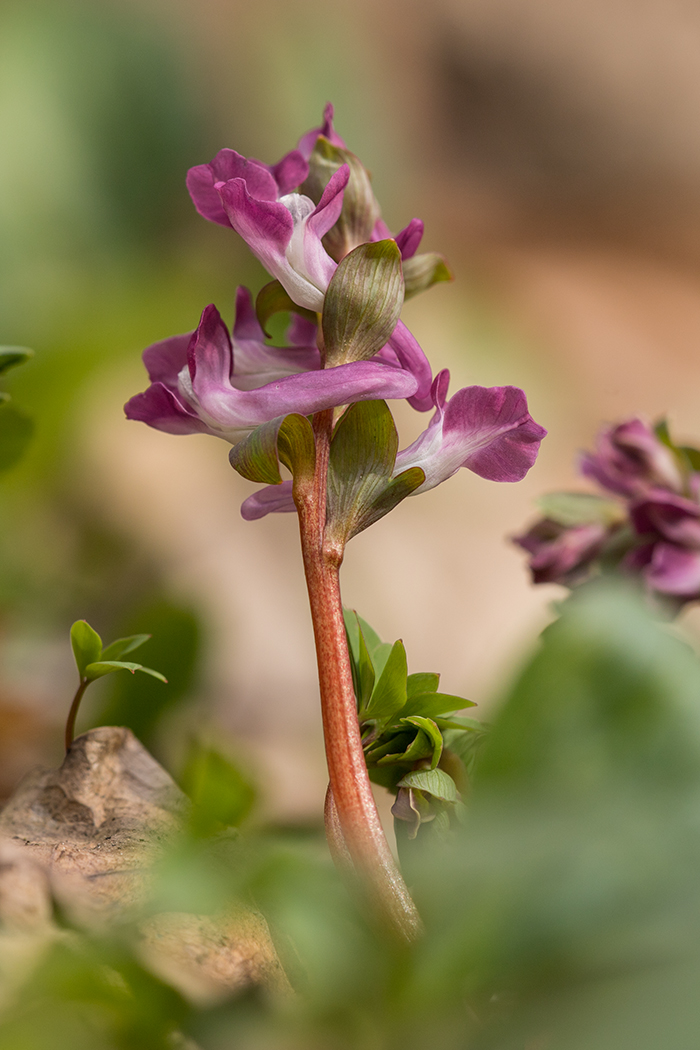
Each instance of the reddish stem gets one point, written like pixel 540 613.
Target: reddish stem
pixel 70 723
pixel 356 811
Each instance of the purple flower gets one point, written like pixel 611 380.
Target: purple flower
pixel 561 553
pixel 671 517
pixel 667 569
pixel 630 458
pixel 486 429
pixel 204 382
pixel 306 143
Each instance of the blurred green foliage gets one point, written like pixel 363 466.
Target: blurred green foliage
pixel 564 914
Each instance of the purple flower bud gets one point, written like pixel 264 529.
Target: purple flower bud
pixel 672 517
pixel 629 459
pixel 561 553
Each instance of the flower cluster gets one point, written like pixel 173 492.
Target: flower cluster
pixel 650 528
pixel 304 218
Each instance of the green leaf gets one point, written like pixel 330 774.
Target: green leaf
pixel 580 508
pixel 692 456
pixel 432 704
pixel 103 667
pixel 460 722
pixel 433 782
pixel 220 793
pixel 16 431
pixel 273 299
pixel 10 356
pixel 287 439
pixel 362 457
pixel 422 271
pixel 378 650
pixel 663 434
pixel 87 645
pixel 365 674
pixel 122 646
pixel 363 302
pixel 423 682
pixel 389 693
pixel 427 726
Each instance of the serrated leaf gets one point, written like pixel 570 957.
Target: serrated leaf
pixel 87 645
pixel 10 356
pixel 363 302
pixel 389 693
pixel 432 704
pixel 122 646
pixel 273 299
pixel 433 782
pixel 422 682
pixel 422 271
pixel 580 508
pixel 16 432
pixel 287 439
pixel 103 667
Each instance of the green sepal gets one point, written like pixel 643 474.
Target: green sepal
pixel 11 356
pixel 433 704
pixel 389 693
pixel 433 782
pixel 360 487
pixel 360 209
pixel 86 644
pixel 363 302
pixel 580 508
pixel 287 439
pixel 102 667
pixel 422 271
pixel 16 431
pixel 122 646
pixel 273 299
pixel 422 682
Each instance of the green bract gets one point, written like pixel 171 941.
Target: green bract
pixel 287 439
pixel 422 271
pixel 273 299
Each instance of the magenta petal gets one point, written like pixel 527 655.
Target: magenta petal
pixel 308 141
pixel 209 356
pixel 677 519
pixel 165 360
pixel 226 165
pixel 327 211
pixel 246 325
pixel 290 172
pixel 674 570
pixel 408 239
pixel 302 331
pixel 265 226
pixel 162 409
pixel 274 499
pixel 498 419
pixel 410 355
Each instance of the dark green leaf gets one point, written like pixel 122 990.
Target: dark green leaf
pixel 103 667
pixel 273 299
pixel 16 431
pixel 86 643
pixel 422 271
pixel 287 439
pixel 580 508
pixel 363 302
pixel 122 646
pixel 432 704
pixel 423 682
pixel 389 693
pixel 10 356
pixel 433 782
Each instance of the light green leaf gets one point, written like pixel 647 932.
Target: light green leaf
pixel 363 302
pixel 433 782
pixel 427 726
pixel 580 508
pixel 365 674
pixel 103 667
pixel 389 693
pixel 273 299
pixel 287 439
pixel 16 431
pixel 422 271
pixel 122 646
pixel 219 791
pixel 87 645
pixel 10 356
pixel 423 682
pixel 378 650
pixel 432 704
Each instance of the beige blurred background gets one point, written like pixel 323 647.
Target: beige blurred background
pixel 552 150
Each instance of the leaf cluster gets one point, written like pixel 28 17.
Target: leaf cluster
pixel 94 661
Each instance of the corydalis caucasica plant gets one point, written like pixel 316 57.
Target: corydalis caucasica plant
pixel 317 406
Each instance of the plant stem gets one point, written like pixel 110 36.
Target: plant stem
pixel 349 781
pixel 70 723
